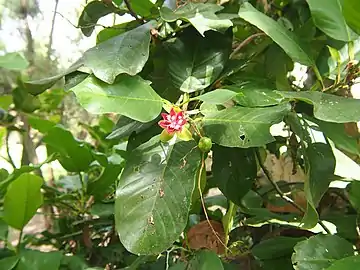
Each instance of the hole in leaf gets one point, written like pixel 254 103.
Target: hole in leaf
pixel 242 137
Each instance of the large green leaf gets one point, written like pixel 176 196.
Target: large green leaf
pixel 336 132
pixel 201 16
pixel 126 53
pixel 218 96
pixel 283 37
pixel 321 167
pixel 194 62
pixel 9 263
pixel 38 86
pixel 13 61
pixel 329 107
pixel 22 199
pixel 154 194
pixel 92 12
pixel 144 8
pixel 25 102
pixel 234 171
pixel 351 262
pixel 320 251
pixel 351 11
pixel 74 155
pixel 126 96
pixel 115 30
pixel 36 260
pixel 205 260
pixel 328 17
pixel 243 127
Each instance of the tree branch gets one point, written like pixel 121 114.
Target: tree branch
pixel 244 43
pixel 52 30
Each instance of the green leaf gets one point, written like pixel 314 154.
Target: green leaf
pixel 24 101
pixel 154 194
pixel 321 167
pixel 5 101
pixel 243 127
pixel 74 156
pixel 115 30
pixel 336 132
pixel 201 16
pixel 276 247
pixel 351 11
pixel 327 107
pixel 39 124
pixel 234 171
pixel 74 78
pixel 91 14
pixel 218 96
pixel 279 34
pixel 126 53
pixel 38 86
pixel 13 61
pixel 205 260
pixel 144 8
pixel 125 97
pixel 36 260
pixel 330 20
pixel 9 263
pixel 320 251
pixel 125 126
pixel 22 199
pixel 351 262
pixel 194 62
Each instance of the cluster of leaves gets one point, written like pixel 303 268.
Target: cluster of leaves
pixel 227 68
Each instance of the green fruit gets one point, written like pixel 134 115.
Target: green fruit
pixel 205 144
pixel 165 136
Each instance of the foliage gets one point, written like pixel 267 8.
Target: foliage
pixel 140 193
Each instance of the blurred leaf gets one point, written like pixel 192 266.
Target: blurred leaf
pixel 13 61
pixel 201 15
pixel 320 251
pixel 352 262
pixel 5 101
pixel 24 101
pixel 92 12
pixel 330 20
pixel 125 97
pixel 234 171
pixel 279 34
pixel 126 53
pixel 38 86
pixel 36 260
pixel 74 78
pixel 194 62
pixel 144 8
pixel 354 194
pixel 276 247
pixel 153 172
pixel 39 124
pixel 351 11
pixel 22 199
pixel 205 260
pixel 243 127
pixel 9 263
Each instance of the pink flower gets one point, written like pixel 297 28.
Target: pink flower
pixel 173 122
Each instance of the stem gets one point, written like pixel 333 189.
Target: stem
pixel 52 30
pixel 244 43
pixel 19 242
pixel 132 12
pixel 203 202
pixel 228 221
pixel 282 195
pixel 8 149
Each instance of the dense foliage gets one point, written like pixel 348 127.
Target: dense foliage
pixel 196 89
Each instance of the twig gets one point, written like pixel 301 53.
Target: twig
pixel 132 12
pixel 52 30
pixel 244 43
pixel 282 195
pixel 203 202
pixel 8 149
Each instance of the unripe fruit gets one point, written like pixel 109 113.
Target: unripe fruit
pixel 205 144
